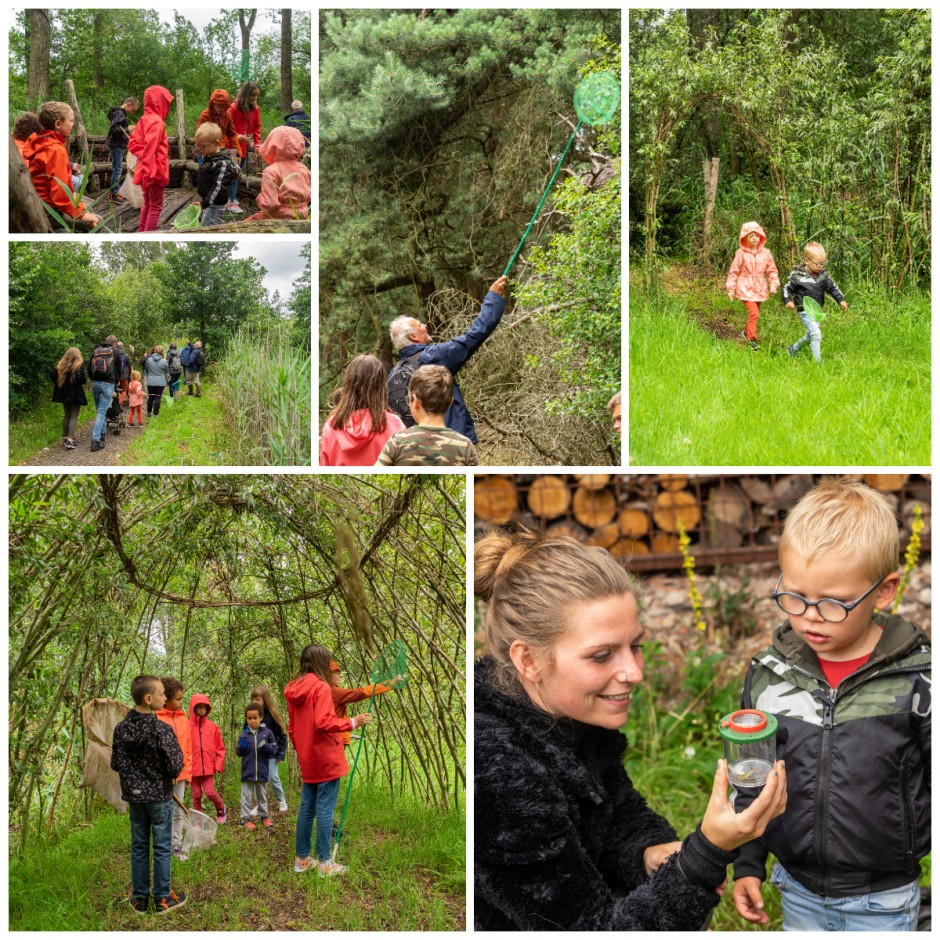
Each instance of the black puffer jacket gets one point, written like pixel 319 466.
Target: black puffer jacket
pixel 560 831
pixel 802 283
pixel 147 757
pixel 858 763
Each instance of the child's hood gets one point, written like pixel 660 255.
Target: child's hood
pixel 45 140
pixel 199 700
pixel 283 144
pixel 356 432
pixel 219 100
pixel 157 100
pixel 301 688
pixel 746 230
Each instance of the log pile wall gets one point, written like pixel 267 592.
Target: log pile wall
pixel 638 517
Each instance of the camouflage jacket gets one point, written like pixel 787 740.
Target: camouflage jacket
pixel 858 763
pixel 803 283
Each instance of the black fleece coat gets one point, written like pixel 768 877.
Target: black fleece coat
pixel 560 831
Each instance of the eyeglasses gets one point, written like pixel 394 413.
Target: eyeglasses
pixel 832 611
pixel 210 143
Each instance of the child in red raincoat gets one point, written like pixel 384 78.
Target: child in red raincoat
pixel 751 269
pixel 150 145
pixel 246 116
pixel 208 755
pixel 285 182
pixel 315 732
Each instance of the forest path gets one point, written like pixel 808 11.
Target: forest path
pixel 117 443
pixel 696 288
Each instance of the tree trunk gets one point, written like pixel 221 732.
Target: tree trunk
pixel 180 123
pixel 495 499
pixel 287 53
pixel 40 33
pixel 710 168
pixel 97 74
pixel 549 497
pixel 594 508
pixel 787 225
pixel 246 37
pixel 80 134
pixel 26 210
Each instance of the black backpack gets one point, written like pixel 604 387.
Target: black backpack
pixel 398 387
pixel 102 364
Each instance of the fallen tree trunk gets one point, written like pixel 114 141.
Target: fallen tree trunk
pixel 26 209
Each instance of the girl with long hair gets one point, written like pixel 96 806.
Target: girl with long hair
pixel 356 430
pixel 68 379
pixel 246 117
pixel 315 732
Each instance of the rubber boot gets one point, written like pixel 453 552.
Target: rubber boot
pixel 198 391
pixel 190 390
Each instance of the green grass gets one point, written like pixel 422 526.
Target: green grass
pixel 38 428
pixel 699 400
pixel 406 872
pixel 192 432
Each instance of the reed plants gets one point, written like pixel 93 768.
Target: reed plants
pixel 265 383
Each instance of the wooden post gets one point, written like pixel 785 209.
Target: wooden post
pixel 80 133
pixel 181 123
pixel 710 168
pixel 26 210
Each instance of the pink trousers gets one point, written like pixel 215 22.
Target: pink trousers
pixel 206 785
pixel 152 207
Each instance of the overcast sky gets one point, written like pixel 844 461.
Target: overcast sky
pixel 281 259
pixel 201 18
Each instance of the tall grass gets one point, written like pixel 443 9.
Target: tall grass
pixel 266 392
pixel 699 400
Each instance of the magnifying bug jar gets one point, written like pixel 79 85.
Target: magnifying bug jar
pixel 750 741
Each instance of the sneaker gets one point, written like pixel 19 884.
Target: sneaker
pixel 139 905
pixel 792 350
pixel 234 207
pixel 181 856
pixel 282 807
pixel 165 905
pixel 117 199
pixel 302 864
pixel 69 444
pixel 220 818
pixel 753 344
pixel 328 869
pixel 266 823
pixel 96 446
pixel 248 824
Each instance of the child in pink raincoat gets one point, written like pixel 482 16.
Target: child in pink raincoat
pixel 285 182
pixel 135 392
pixel 752 268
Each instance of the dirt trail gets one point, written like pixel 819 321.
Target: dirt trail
pixel 686 281
pixel 82 456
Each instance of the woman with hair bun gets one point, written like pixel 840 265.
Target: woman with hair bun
pixel 563 841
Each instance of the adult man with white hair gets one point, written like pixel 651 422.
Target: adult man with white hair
pixel 299 119
pixel 410 337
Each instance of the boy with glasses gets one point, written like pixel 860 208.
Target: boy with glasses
pixel 810 279
pixel 215 174
pixel 851 692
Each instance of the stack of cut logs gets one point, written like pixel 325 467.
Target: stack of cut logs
pixel 640 517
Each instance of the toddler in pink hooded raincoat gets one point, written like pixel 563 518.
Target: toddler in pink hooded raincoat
pixel 751 269
pixel 285 182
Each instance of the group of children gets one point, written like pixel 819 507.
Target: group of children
pixel 361 430
pixel 224 128
pixel 753 278
pixel 157 749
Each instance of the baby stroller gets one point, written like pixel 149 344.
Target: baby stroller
pixel 115 420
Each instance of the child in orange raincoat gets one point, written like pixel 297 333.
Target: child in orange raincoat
pixel 173 714
pixel 751 269
pixel 285 182
pixel 150 145
pixel 135 393
pixel 343 697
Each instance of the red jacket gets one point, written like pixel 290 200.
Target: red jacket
pixel 248 124
pixel 344 697
pixel 218 113
pixel 178 721
pixel 315 731
pixel 208 749
pixel 149 141
pixel 47 158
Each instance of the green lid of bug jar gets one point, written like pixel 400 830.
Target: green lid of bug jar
pixel 750 741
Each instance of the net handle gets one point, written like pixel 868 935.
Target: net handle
pixel 538 208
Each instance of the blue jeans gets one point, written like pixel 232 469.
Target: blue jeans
pixel 813 335
pixel 102 392
pixel 156 820
pixel 317 802
pixel 117 163
pixel 895 909
pixel 233 189
pixel 211 216
pixel 274 779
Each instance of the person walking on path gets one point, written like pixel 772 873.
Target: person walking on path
pixel 104 370
pixel 68 378
pixel 156 378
